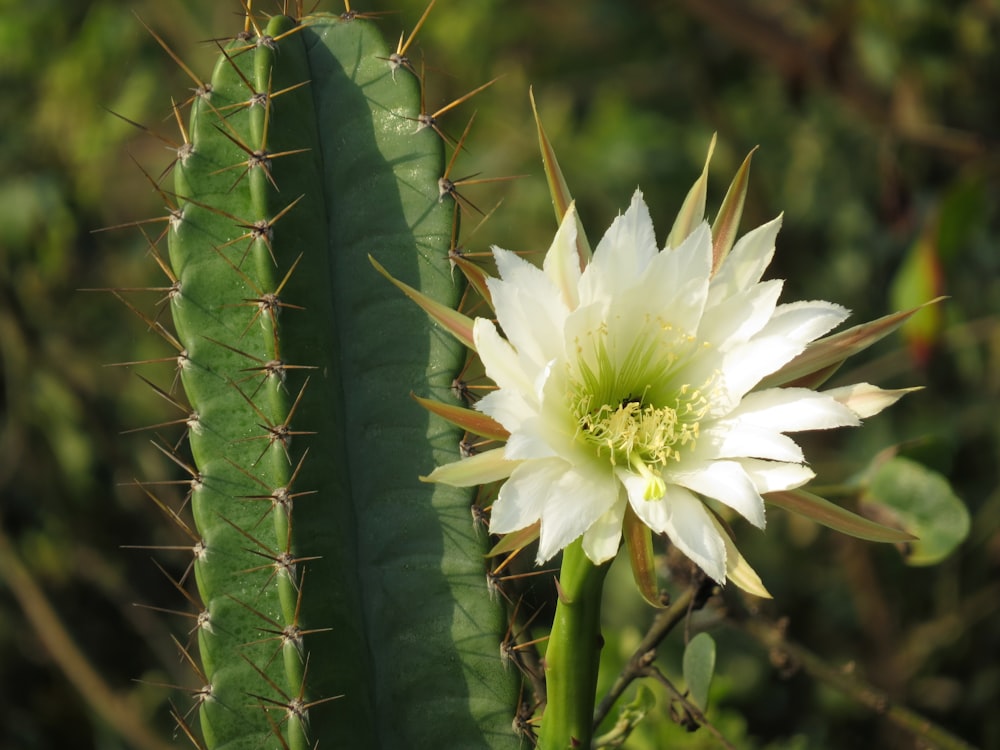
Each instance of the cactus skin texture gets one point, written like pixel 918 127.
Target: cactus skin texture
pixel 346 602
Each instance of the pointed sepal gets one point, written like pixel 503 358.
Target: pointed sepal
pixel 692 211
pixel 727 223
pixel 822 357
pixel 835 517
pixel 639 543
pixel 458 325
pixel 468 419
pixel 561 198
pixel 516 540
pixel 481 468
pixel 738 570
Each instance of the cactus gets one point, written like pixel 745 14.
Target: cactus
pixel 343 603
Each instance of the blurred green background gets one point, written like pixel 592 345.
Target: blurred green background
pixel 878 128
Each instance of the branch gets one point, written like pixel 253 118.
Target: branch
pixel 644 654
pixel 692 710
pixel 772 636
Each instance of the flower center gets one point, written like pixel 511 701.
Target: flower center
pixel 637 433
pixel 635 411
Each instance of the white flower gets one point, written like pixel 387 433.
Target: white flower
pixel 631 383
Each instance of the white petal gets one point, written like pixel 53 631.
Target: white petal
pixel 791 327
pixel 806 320
pixel 674 286
pixel 528 308
pixel 529 441
pixel 508 407
pixel 559 426
pixel 482 468
pixel 746 262
pixel 747 364
pixel 738 318
pixel 792 409
pixel 602 539
pixel 692 259
pixel 562 262
pixel 586 333
pixel 500 359
pixel 774 476
pixel 683 518
pixel 748 441
pixel 577 500
pixel 622 254
pixel 727 482
pixel 867 400
pixel 523 496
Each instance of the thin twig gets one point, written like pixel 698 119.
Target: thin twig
pixel 665 621
pixel 695 712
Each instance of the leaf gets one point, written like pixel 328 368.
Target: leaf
pixel 833 516
pixel 629 717
pixel 923 502
pixel 699 668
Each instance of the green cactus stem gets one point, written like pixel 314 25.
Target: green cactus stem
pixel 344 602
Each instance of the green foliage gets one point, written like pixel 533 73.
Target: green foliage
pixel 699 668
pixel 923 502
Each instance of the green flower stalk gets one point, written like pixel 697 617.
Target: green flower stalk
pixel 573 652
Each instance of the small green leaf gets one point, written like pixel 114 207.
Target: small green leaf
pixel 629 717
pixel 699 668
pixel 924 503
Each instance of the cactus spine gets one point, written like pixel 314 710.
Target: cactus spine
pixel 344 602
